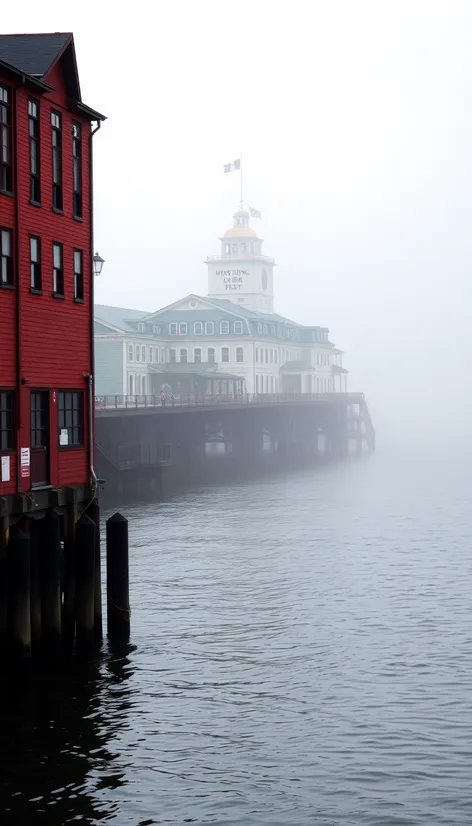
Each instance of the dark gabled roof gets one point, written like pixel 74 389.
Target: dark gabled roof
pixel 33 53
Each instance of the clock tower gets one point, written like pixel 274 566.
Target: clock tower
pixel 241 273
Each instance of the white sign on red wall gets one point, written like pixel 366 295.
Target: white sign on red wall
pixel 25 462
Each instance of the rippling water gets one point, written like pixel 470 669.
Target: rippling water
pixel 302 654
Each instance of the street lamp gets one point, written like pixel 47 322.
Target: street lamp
pixel 98 263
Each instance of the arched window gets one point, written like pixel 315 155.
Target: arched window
pixel 211 355
pixel 238 327
pixel 224 328
pixel 183 355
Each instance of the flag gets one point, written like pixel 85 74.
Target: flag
pixel 255 213
pixel 228 167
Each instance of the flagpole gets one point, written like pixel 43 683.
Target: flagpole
pixel 241 180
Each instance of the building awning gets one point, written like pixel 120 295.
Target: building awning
pixel 296 367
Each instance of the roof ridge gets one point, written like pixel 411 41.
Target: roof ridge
pixel 33 34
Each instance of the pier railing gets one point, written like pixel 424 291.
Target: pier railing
pixel 225 400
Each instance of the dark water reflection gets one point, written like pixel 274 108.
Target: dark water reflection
pixel 302 655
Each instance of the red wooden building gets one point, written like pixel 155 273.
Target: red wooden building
pixel 46 278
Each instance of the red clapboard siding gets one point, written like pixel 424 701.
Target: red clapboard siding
pixel 54 333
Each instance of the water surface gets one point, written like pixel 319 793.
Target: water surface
pixel 302 654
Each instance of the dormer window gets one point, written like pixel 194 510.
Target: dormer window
pixel 173 329
pixel 183 328
pixel 156 329
pixel 140 327
pixel 238 327
pixel 224 328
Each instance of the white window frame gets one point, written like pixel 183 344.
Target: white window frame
pixel 140 327
pixel 212 359
pixel 174 351
pixel 137 352
pixel 156 329
pixel 150 355
pixel 130 354
pixel 163 355
pixel 225 360
pixel 183 350
pixel 198 328
pixel 143 353
pixel 195 351
pixel 240 355
pixel 224 328
pixel 238 327
pixel 156 355
pixel 209 328
pixel 183 327
pixel 173 328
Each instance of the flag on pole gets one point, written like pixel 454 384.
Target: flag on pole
pixel 229 167
pixel 255 213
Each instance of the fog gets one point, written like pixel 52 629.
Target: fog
pixel 354 119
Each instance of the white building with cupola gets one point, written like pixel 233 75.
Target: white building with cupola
pixel 231 340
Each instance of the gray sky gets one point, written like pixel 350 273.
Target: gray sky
pixel 354 117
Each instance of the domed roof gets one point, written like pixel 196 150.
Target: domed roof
pixel 240 232
pixel 241 213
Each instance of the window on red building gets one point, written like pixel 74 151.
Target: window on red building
pixel 77 168
pixel 6 257
pixel 71 418
pixel 57 270
pixel 7 431
pixel 78 275
pixel 35 263
pixel 33 130
pixel 6 175
pixel 56 160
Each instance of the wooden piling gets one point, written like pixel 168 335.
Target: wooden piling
pixel 94 512
pixel 85 535
pixel 35 590
pixel 50 581
pixel 19 594
pixel 3 585
pixel 118 608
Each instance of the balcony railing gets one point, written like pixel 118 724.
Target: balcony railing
pixel 225 400
pixel 242 256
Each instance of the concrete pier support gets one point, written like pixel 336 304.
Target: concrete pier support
pixel 246 438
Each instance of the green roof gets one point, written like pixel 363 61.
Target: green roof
pixel 117 316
